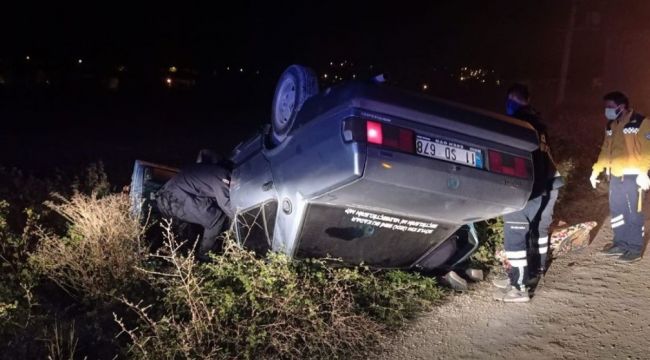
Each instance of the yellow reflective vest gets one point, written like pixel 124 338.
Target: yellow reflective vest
pixel 626 149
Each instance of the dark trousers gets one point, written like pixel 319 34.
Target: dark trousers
pixel 526 237
pixel 627 222
pixel 203 211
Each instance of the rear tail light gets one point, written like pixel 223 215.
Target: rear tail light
pixel 374 133
pixel 384 135
pixel 509 165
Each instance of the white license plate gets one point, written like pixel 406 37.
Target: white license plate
pixel 449 151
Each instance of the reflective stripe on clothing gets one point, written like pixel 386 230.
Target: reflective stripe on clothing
pixel 519 263
pixel 516 254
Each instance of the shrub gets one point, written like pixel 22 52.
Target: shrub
pixel 243 306
pixel 98 255
pixel 18 278
pixel 490 234
pixel 95 181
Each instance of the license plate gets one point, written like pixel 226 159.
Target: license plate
pixel 448 150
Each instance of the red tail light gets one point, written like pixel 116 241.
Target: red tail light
pixel 390 136
pixel 509 165
pixel 374 133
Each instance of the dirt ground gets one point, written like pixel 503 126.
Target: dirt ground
pixel 590 307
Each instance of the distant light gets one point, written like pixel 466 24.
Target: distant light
pixel 121 68
pixel 173 69
pixel 425 87
pixel 331 63
pixel 27 58
pixel 241 70
pixel 354 76
pixel 80 61
pixel 324 76
pixel 257 72
pixel 342 64
pixel 228 68
pixel 168 81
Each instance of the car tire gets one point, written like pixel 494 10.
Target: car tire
pixel 297 84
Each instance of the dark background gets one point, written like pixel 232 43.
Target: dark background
pixel 116 106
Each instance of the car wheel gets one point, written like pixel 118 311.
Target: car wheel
pixel 297 84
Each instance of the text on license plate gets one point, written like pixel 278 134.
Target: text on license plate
pixel 449 151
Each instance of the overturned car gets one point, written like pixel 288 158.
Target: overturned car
pixel 371 174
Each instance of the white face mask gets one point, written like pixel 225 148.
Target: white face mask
pixel 611 113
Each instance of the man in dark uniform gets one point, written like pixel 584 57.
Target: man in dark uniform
pixel 199 194
pixel 531 224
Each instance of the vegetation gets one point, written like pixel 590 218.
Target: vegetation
pixel 79 280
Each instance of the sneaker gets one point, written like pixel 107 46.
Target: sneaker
pixel 630 257
pixel 500 293
pixel 501 282
pixel 613 251
pixel 513 295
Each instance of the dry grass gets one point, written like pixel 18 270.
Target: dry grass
pixel 242 306
pixel 62 343
pixel 101 250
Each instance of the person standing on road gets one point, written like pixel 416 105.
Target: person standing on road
pixel 199 194
pixel 529 225
pixel 625 158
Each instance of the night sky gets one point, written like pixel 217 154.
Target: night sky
pixel 274 33
pixel 68 118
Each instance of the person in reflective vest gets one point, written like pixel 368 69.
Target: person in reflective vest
pixel 625 159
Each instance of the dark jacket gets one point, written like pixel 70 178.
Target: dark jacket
pixel 546 175
pixel 202 181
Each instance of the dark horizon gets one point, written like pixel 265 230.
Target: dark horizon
pixel 51 102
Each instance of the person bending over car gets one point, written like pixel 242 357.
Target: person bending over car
pixel 199 194
pixel 530 224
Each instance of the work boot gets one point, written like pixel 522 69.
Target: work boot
pixel 512 295
pixel 630 257
pixel 613 251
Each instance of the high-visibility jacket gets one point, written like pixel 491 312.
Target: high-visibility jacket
pixel 626 148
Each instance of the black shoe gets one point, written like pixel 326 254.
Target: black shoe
pixel 630 257
pixel 613 251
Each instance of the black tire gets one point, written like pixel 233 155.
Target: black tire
pixel 296 84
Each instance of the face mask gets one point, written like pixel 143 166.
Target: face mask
pixel 611 113
pixel 512 107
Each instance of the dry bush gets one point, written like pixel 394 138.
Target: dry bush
pixel 98 255
pixel 241 306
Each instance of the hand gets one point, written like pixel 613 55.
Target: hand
pixel 643 181
pixel 593 179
